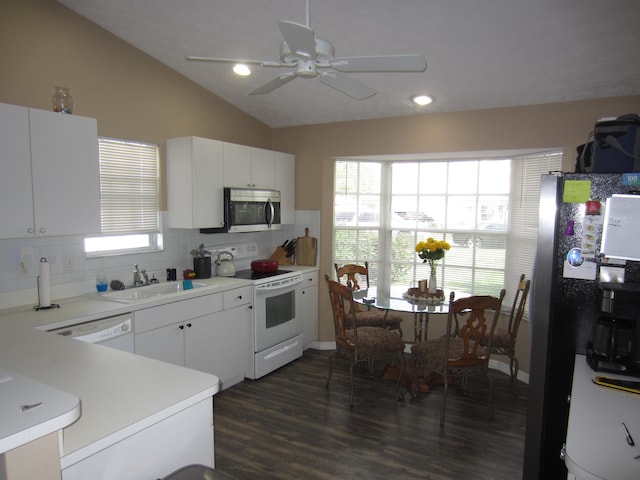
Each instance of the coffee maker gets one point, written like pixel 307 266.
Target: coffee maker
pixel 615 343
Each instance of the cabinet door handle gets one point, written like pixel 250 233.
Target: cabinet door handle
pixel 181 327
pixel 42 230
pixel 239 297
pixel 31 230
pixel 189 325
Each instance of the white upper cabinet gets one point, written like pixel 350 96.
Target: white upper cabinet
pixel 50 183
pixel 249 167
pixel 286 183
pixel 198 169
pixel 16 201
pixel 195 183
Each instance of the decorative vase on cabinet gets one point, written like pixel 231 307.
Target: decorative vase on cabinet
pixel 62 100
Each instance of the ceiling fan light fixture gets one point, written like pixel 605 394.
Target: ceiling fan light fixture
pixel 422 100
pixel 311 56
pixel 241 69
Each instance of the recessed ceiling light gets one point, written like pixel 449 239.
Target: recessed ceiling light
pixel 242 70
pixel 422 100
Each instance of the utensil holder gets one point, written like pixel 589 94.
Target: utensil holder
pixel 202 267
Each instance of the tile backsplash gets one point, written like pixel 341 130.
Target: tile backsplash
pixel 73 274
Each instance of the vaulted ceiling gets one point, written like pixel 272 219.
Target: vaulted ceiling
pixel 480 53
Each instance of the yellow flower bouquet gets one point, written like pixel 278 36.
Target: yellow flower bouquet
pixel 431 251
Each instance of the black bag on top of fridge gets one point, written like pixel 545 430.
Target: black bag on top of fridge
pixel 616 145
pixel 584 157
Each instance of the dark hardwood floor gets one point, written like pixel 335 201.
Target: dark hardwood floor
pixel 287 426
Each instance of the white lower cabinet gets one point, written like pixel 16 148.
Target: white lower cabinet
pixel 221 344
pixel 184 438
pixel 310 309
pixel 163 343
pixel 211 333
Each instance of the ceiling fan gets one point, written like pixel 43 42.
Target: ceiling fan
pixel 311 56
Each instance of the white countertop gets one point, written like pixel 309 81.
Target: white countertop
pixel 120 393
pixel 31 410
pixel 596 447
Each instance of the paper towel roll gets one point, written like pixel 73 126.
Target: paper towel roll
pixel 44 284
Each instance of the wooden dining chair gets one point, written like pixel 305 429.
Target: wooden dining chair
pixel 352 275
pixel 504 340
pixel 359 344
pixel 458 357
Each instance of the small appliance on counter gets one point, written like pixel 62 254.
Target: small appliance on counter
pixel 615 344
pixel 225 266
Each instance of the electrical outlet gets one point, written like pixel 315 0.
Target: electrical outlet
pixel 26 260
pixel 68 264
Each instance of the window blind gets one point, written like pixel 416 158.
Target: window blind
pixel 525 198
pixel 128 186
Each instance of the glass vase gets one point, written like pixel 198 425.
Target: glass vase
pixel 433 282
pixel 62 100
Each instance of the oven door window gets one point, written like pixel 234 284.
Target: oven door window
pixel 280 309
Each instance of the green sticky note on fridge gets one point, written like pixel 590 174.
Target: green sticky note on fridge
pixel 576 191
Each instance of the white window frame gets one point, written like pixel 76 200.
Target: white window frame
pixel 129 176
pixel 520 237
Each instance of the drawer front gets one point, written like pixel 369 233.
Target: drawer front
pixel 239 296
pixel 162 315
pixel 310 278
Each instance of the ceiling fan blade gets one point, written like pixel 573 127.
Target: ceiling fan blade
pixel 273 84
pixel 262 63
pixel 347 85
pixel 299 38
pixel 381 63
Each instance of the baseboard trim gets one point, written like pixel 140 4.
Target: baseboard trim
pixel 494 364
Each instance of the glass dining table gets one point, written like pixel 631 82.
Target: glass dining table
pixel 394 298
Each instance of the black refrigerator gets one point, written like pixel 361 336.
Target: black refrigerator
pixel 566 302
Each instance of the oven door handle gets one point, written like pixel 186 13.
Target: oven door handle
pixel 279 284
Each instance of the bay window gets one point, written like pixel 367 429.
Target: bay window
pixel 486 208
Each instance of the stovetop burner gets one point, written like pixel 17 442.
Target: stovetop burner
pixel 251 275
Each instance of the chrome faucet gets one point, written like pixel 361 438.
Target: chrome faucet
pixel 138 276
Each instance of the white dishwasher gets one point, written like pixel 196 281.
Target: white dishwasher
pixel 115 332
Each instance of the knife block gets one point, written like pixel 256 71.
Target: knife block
pixel 280 256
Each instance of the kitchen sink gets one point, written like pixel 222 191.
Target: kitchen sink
pixel 136 294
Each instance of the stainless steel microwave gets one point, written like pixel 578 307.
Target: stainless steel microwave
pixel 249 210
